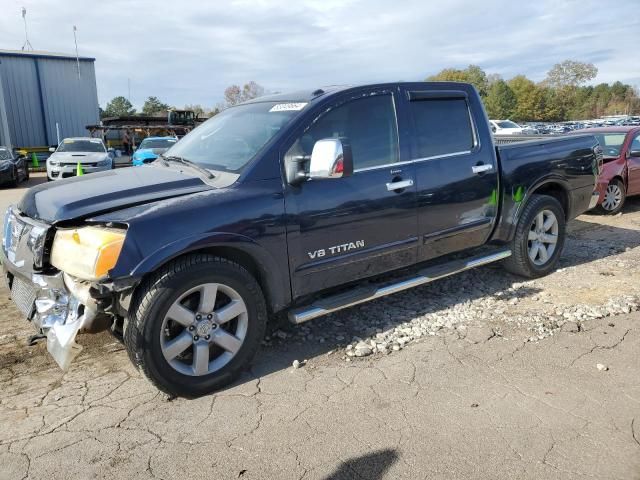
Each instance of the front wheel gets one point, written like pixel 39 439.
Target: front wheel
pixel 614 197
pixel 539 238
pixel 196 325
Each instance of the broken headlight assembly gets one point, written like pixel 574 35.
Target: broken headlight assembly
pixel 87 253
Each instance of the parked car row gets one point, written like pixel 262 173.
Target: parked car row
pixel 566 127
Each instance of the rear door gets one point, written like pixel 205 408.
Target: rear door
pixel 341 230
pixel 457 177
pixel 633 166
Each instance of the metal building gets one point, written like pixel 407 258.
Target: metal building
pixel 45 97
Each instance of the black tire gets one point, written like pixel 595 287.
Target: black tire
pixel 153 298
pixel 520 262
pixel 619 185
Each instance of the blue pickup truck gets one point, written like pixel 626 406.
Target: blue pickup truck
pixel 292 203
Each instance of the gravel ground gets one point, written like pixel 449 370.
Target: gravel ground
pixel 480 375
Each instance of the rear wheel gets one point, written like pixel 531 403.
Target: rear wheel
pixel 196 325
pixel 539 238
pixel 614 197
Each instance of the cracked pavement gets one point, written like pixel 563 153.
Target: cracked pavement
pixel 484 402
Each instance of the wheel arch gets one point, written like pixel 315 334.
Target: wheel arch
pixel 557 190
pixel 621 178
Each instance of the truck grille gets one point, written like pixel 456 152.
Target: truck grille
pixel 24 296
pixel 84 165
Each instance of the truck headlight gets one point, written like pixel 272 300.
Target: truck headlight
pixel 87 252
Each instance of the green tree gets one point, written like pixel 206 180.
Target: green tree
pixel 472 74
pixel 530 101
pixel 500 101
pixel 563 95
pixel 118 107
pixel 153 106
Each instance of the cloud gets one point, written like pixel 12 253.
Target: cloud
pixel 189 51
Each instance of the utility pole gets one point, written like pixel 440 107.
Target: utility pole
pixel 75 39
pixel 27 43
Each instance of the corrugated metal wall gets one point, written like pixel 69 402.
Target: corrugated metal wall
pixel 38 92
pixel 70 101
pixel 21 99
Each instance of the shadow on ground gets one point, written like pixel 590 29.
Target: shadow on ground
pixel 372 466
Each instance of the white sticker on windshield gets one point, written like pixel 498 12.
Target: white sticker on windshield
pixel 286 107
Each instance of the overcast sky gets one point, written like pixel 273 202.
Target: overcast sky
pixel 189 51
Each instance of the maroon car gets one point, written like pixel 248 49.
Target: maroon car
pixel 620 176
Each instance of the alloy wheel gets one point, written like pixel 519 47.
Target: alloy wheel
pixel 612 197
pixel 204 329
pixel 543 237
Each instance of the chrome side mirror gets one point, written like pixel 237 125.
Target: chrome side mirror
pixel 331 158
pixel 634 153
pixel 52 149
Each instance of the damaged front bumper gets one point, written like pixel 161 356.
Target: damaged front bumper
pixel 58 305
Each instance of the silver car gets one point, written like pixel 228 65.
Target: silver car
pixel 90 153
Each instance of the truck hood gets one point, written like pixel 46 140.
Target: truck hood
pixel 75 157
pixel 80 197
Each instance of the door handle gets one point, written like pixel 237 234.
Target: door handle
pixel 392 186
pixel 481 168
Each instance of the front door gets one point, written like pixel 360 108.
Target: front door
pixel 345 229
pixel 633 167
pixel 457 178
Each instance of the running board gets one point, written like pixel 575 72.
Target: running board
pixel 365 294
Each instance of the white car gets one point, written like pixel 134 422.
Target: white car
pixel 90 153
pixel 507 127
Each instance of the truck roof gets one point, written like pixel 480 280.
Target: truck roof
pixel 309 95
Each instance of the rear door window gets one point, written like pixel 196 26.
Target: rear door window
pixel 442 126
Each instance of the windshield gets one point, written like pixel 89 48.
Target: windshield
pixel 71 145
pixel 611 143
pixel 5 154
pixel 508 124
pixel 232 138
pixel 158 143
